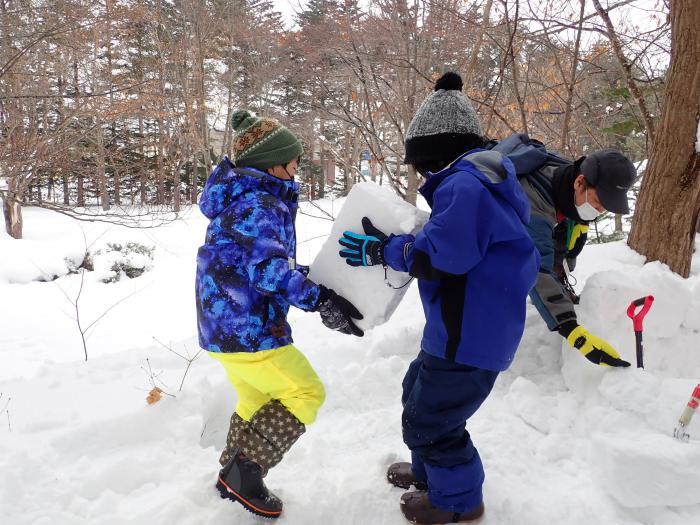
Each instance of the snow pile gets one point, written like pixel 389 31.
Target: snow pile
pixel 115 260
pixel 44 253
pixel 562 441
pixel 365 287
pixel 634 454
pixel 648 469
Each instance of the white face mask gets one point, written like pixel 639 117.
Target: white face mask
pixel 586 211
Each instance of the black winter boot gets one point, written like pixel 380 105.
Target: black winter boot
pixel 241 480
pixel 401 475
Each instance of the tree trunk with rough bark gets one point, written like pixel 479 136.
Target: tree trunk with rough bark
pixel 668 208
pixel 412 188
pixel 80 202
pixel 12 210
pixel 101 174
pixel 66 191
pixel 160 168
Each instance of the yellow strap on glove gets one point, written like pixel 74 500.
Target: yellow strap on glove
pixel 594 348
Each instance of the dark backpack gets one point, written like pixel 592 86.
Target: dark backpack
pixel 527 155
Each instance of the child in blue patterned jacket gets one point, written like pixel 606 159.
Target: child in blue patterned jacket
pixel 246 281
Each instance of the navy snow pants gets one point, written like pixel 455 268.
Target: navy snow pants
pixel 439 397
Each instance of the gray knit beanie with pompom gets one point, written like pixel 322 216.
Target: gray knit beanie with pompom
pixel 445 126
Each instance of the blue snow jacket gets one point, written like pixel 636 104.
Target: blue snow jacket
pixel 474 261
pixel 246 270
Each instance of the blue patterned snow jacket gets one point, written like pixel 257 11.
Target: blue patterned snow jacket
pixel 246 270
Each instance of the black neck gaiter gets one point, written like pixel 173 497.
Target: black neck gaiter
pixel 563 192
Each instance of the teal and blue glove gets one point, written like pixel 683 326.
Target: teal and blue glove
pixel 363 250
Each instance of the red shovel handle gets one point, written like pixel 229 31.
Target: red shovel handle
pixel 638 318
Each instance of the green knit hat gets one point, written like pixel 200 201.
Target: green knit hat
pixel 262 142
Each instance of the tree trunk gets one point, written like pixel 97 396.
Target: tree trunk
pixel 66 191
pixel 81 192
pixel 176 187
pixel 117 188
pixel 160 168
pixel 618 222
pixel 195 187
pixel 668 208
pixel 321 193
pixel 101 175
pixel 110 76
pixel 12 210
pixel 195 177
pixel 515 68
pixel 479 42
pixel 571 86
pixel 201 97
pixel 412 185
pixel 190 175
pixel 144 174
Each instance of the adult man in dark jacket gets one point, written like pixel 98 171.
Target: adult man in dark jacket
pixel 564 196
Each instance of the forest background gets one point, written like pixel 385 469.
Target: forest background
pixel 122 103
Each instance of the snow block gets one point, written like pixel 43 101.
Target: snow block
pixel 607 295
pixel 648 470
pixel 365 287
pixel 692 316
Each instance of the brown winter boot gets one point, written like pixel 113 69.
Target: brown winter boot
pixel 401 475
pixel 416 507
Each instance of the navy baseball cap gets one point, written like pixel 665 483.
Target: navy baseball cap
pixel 611 174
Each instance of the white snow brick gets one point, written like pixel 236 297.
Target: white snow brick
pixel 692 316
pixel 643 470
pixel 607 295
pixel 365 287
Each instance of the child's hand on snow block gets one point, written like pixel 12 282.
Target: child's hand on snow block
pixel 594 348
pixel 363 250
pixel 337 313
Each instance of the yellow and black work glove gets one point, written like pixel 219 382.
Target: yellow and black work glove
pixel 595 349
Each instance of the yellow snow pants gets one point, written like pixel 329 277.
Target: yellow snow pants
pixel 283 374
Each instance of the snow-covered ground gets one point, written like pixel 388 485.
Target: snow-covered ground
pixel 562 441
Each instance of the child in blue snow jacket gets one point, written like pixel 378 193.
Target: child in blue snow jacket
pixel 247 279
pixel 475 264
